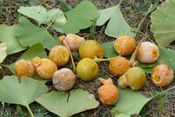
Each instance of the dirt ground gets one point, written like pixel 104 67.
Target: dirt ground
pixel 163 105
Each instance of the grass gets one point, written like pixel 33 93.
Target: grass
pixel 134 12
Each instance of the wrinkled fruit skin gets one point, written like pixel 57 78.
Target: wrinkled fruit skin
pixel 74 41
pixel 125 45
pixel 60 55
pixel 108 93
pixel 44 67
pixel 87 69
pixel 24 68
pixel 91 49
pixel 148 52
pixel 162 75
pixel 63 79
pixel 118 66
pixel 135 78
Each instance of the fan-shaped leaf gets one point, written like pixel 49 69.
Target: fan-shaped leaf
pixel 163 25
pixel 117 25
pixel 81 17
pixel 22 93
pixel 40 14
pixel 29 35
pixel 3 52
pixel 66 105
pixel 7 36
pixel 130 103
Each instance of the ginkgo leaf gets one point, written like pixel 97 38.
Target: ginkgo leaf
pixel 163 25
pixel 80 17
pixel 117 25
pixel 66 105
pixel 35 50
pixel 3 53
pixel 7 36
pixel 29 35
pixel 42 16
pixel 130 103
pixel 22 93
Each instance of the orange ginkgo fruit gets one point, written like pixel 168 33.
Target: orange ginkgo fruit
pixel 125 45
pixel 60 55
pixel 118 66
pixel 162 75
pixel 44 67
pixel 108 92
pixel 24 68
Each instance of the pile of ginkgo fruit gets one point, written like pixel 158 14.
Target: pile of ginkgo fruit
pixel 87 68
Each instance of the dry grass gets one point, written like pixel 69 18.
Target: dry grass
pixel 155 108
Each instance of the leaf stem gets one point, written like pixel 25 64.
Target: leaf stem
pixel 143 19
pixel 28 108
pixel 120 2
pixel 142 34
pixel 50 23
pixel 163 92
pixel 99 60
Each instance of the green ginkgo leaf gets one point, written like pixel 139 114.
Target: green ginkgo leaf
pixel 163 25
pixel 130 103
pixel 42 16
pixel 23 93
pixel 117 25
pixel 81 17
pixel 35 50
pixel 29 35
pixel 7 36
pixel 66 105
pixel 3 53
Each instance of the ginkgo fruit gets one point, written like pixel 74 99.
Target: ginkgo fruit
pixel 91 49
pixel 63 79
pixel 162 75
pixel 148 52
pixel 118 66
pixel 108 92
pixel 125 45
pixel 73 41
pixel 24 68
pixel 60 55
pixel 45 68
pixel 87 69
pixel 135 78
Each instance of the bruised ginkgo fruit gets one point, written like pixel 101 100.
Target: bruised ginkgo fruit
pixel 91 49
pixel 87 69
pixel 118 66
pixel 63 79
pixel 125 45
pixel 148 52
pixel 135 78
pixel 162 75
pixel 44 67
pixel 73 41
pixel 108 92
pixel 24 68
pixel 60 55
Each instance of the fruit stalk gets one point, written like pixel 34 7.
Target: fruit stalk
pixel 65 43
pixel 135 52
